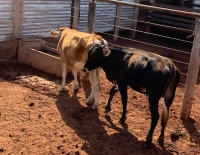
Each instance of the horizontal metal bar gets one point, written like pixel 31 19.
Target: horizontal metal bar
pixel 154 8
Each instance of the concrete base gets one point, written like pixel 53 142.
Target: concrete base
pixel 8 49
pixel 30 53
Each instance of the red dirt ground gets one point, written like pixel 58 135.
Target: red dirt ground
pixel 37 119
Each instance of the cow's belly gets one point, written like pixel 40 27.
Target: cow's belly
pixel 137 88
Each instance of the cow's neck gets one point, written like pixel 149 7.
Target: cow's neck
pixel 112 63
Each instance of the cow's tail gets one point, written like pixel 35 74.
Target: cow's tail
pixel 98 76
pixel 169 92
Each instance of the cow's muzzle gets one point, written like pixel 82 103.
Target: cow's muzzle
pixel 85 69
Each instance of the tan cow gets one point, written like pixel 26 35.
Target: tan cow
pixel 73 48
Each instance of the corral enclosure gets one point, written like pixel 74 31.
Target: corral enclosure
pixel 25 26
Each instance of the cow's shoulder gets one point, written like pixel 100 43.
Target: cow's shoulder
pixel 87 40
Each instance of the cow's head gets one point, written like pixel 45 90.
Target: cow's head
pixel 96 56
pixel 56 34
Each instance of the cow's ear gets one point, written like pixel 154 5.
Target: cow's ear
pixel 55 34
pixel 106 52
pixel 103 46
pixel 62 29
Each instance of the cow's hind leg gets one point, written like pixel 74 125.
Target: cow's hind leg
pixel 168 98
pixel 167 101
pixel 75 73
pixel 113 91
pixel 153 101
pixel 64 74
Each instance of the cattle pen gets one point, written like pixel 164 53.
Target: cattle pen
pixel 25 27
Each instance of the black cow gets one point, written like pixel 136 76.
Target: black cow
pixel 147 73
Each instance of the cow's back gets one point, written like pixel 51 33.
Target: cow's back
pixel 148 70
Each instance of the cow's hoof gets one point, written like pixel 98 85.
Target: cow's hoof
pixel 89 100
pixel 161 141
pixel 63 89
pixel 76 88
pixel 122 120
pixel 94 107
pixel 147 144
pixel 107 108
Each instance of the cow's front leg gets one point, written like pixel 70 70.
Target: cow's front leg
pixel 75 73
pixel 123 92
pixel 94 95
pixel 96 87
pixel 64 74
pixel 113 91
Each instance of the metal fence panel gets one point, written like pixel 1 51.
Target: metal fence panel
pixel 196 4
pixel 127 15
pixel 40 17
pixel 105 13
pixel 6 23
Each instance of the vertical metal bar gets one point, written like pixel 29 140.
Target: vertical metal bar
pixel 91 16
pixel 117 22
pixel 133 32
pixel 76 12
pixel 17 17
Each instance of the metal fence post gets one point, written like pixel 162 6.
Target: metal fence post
pixel 18 17
pixel 133 32
pixel 76 12
pixel 117 22
pixel 192 74
pixel 91 16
